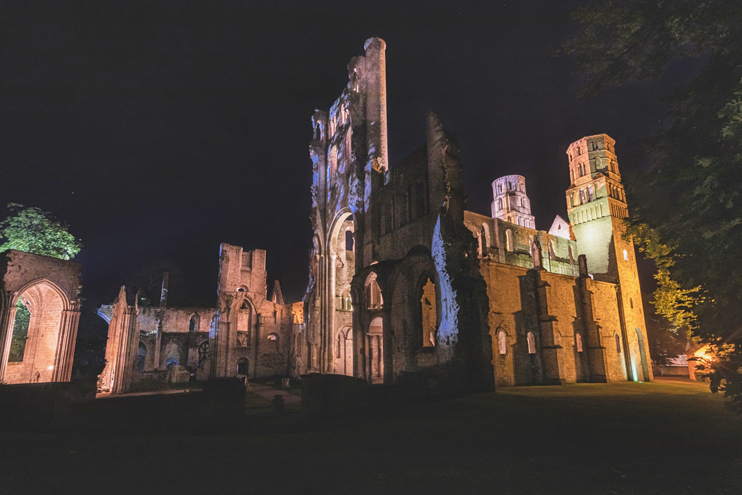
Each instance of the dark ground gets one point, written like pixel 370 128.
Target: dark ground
pixel 627 438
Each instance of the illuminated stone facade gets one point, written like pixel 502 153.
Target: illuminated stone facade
pixel 404 280
pixel 554 318
pixel 596 204
pixel 39 315
pixel 247 334
pixel 153 344
pixel 390 248
pixel 251 333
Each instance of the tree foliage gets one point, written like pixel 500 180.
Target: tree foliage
pixel 35 231
pixel 146 276
pixel 664 340
pixel 687 211
pixel 20 333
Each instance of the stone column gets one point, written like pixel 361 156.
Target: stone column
pixel 158 344
pixel 330 360
pixel 596 349
pixel 128 346
pixel 553 369
pixel 7 318
pixel 387 344
pixel 66 344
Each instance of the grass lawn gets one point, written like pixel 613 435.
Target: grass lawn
pixel 626 438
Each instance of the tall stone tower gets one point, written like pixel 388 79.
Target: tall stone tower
pixel 511 203
pixel 349 163
pixel 596 204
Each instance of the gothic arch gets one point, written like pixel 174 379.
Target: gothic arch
pixel 43 281
pixel 45 339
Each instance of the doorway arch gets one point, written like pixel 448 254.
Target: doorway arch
pixel 344 352
pixel 375 350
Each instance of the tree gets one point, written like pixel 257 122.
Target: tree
pixel 146 277
pixel 690 204
pixel 664 340
pixel 35 231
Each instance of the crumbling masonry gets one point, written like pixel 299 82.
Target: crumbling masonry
pixel 404 280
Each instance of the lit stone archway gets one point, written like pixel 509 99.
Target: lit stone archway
pixel 38 328
pixel 337 307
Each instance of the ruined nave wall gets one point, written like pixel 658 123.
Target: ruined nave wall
pixel 551 307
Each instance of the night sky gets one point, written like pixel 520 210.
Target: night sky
pixel 160 129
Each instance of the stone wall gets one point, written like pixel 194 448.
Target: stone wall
pixel 552 308
pixel 251 335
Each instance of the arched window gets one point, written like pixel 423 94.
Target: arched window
pixel 618 344
pixel 141 357
pixel 502 342
pixel 625 255
pixel 429 316
pixel 349 240
pixel 590 193
pixel 552 253
pixel 171 362
pixel 273 342
pixel 571 255
pixel 582 197
pixel 242 366
pixel 20 331
pixel 631 303
pixel 578 342
pixel 332 164
pixel 345 301
pixel 531 343
pixel 193 324
pixel 499 202
pixel 509 240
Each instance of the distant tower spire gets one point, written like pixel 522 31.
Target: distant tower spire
pixel 510 201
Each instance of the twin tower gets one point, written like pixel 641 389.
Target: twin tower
pixel 596 205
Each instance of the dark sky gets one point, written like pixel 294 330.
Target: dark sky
pixel 161 129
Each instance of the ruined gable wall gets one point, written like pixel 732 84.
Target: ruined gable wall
pixel 242 269
pixel 401 216
pixel 175 326
pixel 22 268
pixel 50 343
pixel 273 356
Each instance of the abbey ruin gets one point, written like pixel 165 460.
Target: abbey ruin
pixel 403 279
